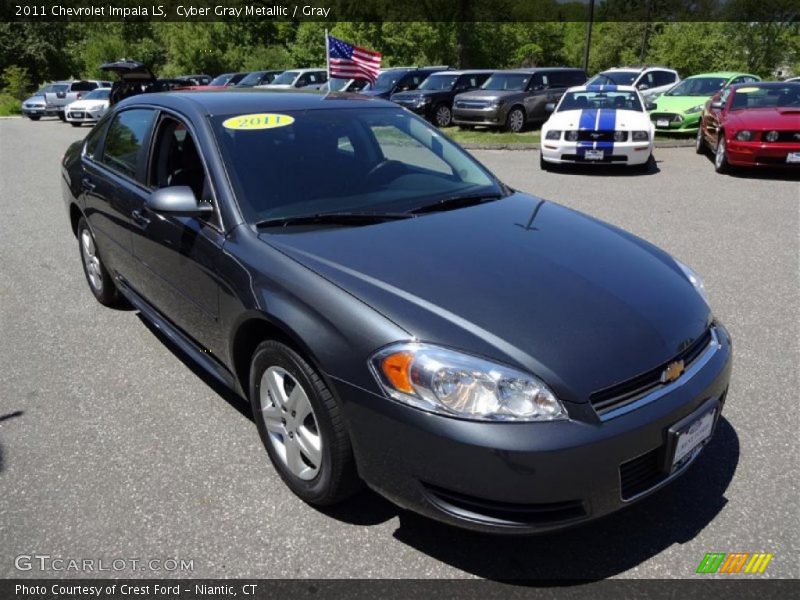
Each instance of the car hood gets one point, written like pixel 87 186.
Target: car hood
pixel 86 104
pixel 582 304
pixel 624 120
pixel 679 104
pixel 765 118
pixel 34 100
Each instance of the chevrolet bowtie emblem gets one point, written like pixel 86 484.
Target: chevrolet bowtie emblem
pixel 672 372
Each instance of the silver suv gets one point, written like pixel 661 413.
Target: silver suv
pixel 67 92
pixel 650 81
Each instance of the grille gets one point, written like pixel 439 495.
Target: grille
pixel 587 135
pixel 629 391
pixel 472 104
pixel 783 136
pixel 505 513
pixel 641 474
pixel 673 118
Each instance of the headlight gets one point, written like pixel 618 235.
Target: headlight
pixel 694 279
pixel 571 136
pixel 460 385
pixel 744 136
pixel 771 136
pixel 694 109
pixel 553 134
pixel 620 136
pixel 641 136
pixel 494 103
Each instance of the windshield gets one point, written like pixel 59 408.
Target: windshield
pixel 612 100
pixel 439 82
pixel 251 79
pixel 387 80
pixel 774 96
pixel 507 81
pixel 286 78
pixel 698 86
pixel 221 79
pixel 365 160
pixel 614 78
pixel 98 94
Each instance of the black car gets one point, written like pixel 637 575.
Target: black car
pixel 400 79
pixel 512 99
pixel 258 78
pixel 395 314
pixel 433 99
pixel 227 79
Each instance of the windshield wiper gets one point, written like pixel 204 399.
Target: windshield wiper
pixel 454 202
pixel 342 218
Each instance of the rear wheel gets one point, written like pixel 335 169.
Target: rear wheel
pixel 301 426
pixel 515 120
pixel 721 155
pixel 97 276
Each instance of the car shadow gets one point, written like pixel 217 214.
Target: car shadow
pixel 241 405
pixel 606 170
pixel 760 173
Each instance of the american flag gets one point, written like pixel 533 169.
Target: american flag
pixel 346 61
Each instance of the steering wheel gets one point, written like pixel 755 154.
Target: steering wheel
pixel 385 171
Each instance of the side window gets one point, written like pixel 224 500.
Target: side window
pixel 313 78
pixel 539 81
pixel 125 149
pixel 559 79
pixel 176 160
pixel 576 78
pixel 303 80
pixel 481 79
pixel 95 135
pixel 662 78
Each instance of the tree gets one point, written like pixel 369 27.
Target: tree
pixel 16 82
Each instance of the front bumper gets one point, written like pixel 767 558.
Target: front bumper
pixel 622 153
pixel 678 122
pixel 494 116
pixel 766 154
pixel 83 116
pixel 38 111
pixel 523 477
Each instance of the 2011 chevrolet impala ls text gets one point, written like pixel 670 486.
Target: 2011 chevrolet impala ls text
pixel 395 314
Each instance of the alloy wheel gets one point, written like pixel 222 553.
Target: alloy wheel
pixel 516 120
pixel 719 156
pixel 91 261
pixel 443 116
pixel 291 423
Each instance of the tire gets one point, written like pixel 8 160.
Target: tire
pixel 515 120
pixel 543 164
pixel 34 117
pixel 320 469
pixel 75 124
pixel 700 142
pixel 62 116
pixel 721 154
pixel 646 166
pixel 443 116
pixel 97 276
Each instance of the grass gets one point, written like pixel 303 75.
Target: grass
pixel 491 136
pixel 9 105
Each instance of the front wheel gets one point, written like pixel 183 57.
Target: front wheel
pixel 34 117
pixel 721 155
pixel 515 120
pixel 443 116
pixel 301 426
pixel 97 276
pixel 699 142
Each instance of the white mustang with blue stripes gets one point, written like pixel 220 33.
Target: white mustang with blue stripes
pixel 599 124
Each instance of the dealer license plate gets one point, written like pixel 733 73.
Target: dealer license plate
pixel 793 157
pixel 663 123
pixel 692 436
pixel 594 155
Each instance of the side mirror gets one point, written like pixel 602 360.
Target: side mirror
pixel 717 105
pixel 550 107
pixel 650 106
pixel 177 200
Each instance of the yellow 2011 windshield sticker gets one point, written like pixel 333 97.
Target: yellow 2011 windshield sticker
pixel 258 121
pixel 747 90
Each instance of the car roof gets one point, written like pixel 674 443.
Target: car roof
pixel 540 70
pixel 602 88
pixel 247 101
pixel 305 70
pixel 467 72
pixel 765 84
pixel 726 74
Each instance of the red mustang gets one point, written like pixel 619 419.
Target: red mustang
pixel 752 124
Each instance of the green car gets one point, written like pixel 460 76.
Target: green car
pixel 678 110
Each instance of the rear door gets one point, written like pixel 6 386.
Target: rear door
pixel 113 182
pixel 537 98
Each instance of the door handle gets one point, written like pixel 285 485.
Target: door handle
pixel 140 218
pixel 87 184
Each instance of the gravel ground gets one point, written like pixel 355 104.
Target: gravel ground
pixel 112 446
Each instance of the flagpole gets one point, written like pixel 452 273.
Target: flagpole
pixel 328 60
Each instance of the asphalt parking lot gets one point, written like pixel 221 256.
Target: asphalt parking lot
pixel 113 446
